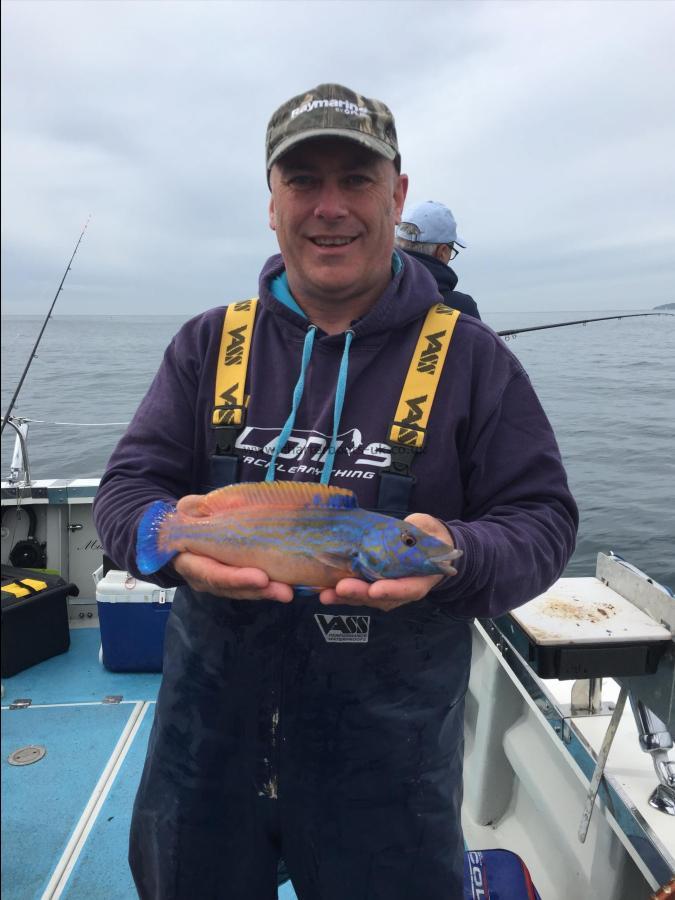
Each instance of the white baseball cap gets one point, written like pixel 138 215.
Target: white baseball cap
pixel 434 224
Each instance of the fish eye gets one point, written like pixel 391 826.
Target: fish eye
pixel 408 539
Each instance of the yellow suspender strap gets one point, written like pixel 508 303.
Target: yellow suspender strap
pixel 417 397
pixel 235 346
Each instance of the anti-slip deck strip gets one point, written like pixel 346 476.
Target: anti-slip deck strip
pixel 101 868
pixel 59 880
pixel 43 802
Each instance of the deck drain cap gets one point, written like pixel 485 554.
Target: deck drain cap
pixel 26 755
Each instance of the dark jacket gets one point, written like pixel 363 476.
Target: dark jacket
pixel 333 735
pixel 447 281
pixel 491 468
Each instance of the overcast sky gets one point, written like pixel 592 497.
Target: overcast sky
pixel 547 127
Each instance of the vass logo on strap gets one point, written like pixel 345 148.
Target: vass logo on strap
pixel 344 629
pixel 431 354
pixel 229 398
pixel 234 352
pixel 235 345
pixel 412 413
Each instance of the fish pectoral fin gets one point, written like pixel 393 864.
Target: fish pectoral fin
pixel 365 573
pixel 332 560
pixel 194 505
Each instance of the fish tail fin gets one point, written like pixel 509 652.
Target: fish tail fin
pixel 150 557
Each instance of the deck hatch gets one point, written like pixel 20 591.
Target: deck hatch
pixel 26 756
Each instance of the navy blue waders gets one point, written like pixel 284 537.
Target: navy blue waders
pixel 331 737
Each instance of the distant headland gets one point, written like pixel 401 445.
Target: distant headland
pixel 666 306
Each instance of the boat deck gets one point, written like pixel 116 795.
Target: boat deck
pixel 529 758
pixel 66 817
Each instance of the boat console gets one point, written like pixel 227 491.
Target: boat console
pixel 592 659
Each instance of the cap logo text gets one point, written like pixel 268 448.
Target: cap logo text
pixel 344 106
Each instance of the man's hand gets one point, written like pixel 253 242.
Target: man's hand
pixel 387 594
pixel 207 575
pixel 212 577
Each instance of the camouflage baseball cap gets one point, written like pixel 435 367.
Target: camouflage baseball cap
pixel 331 109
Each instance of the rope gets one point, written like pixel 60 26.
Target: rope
pixel 74 424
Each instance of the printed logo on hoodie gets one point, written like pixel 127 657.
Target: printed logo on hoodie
pixel 305 451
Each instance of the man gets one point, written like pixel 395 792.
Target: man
pixel 328 729
pixel 429 233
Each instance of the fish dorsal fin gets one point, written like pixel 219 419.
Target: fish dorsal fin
pixel 290 494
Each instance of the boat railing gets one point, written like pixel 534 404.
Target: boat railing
pixel 19 469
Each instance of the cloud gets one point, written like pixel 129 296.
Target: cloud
pixel 544 126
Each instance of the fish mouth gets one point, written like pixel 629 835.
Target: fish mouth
pixel 443 562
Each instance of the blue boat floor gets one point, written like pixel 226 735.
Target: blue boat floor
pixel 65 818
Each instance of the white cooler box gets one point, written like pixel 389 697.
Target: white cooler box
pixel 132 616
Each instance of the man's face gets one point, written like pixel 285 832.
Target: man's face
pixel 334 206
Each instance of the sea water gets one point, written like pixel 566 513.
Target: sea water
pixel 607 387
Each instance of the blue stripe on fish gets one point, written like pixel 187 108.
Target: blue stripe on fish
pixel 336 501
pixel 149 557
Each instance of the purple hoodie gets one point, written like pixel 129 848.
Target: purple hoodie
pixel 491 468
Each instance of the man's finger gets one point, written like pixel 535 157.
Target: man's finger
pixel 246 583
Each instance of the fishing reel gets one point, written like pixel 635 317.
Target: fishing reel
pixel 30 553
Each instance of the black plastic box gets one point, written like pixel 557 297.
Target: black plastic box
pixel 571 661
pixel 34 618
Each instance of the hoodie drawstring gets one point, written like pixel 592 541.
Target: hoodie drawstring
pixel 297 397
pixel 337 409
pixel 340 390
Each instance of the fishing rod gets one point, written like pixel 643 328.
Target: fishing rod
pixel 44 325
pixel 514 331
